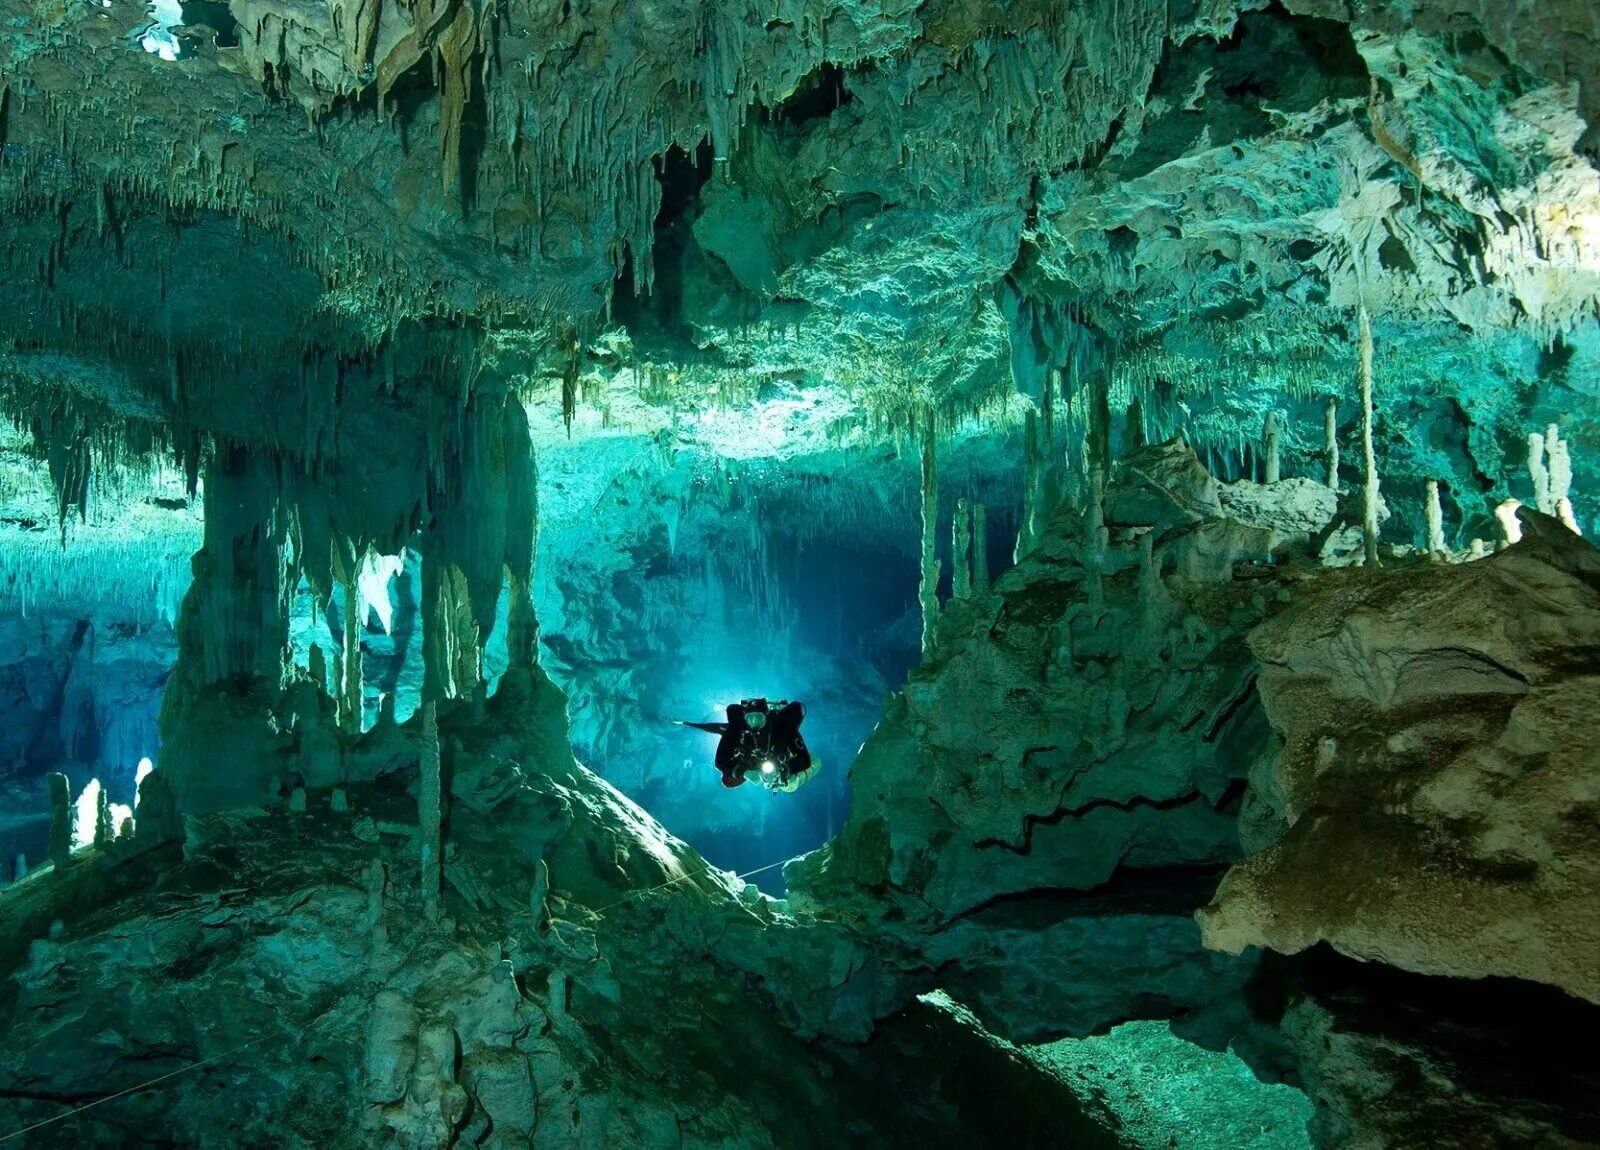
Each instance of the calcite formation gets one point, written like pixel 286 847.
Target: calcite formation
pixel 1111 416
pixel 1436 770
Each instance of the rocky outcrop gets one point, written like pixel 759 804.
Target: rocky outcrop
pixel 1393 1060
pixel 1437 772
pixel 1060 780
pixel 577 993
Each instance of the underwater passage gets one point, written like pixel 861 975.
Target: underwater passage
pixel 621 573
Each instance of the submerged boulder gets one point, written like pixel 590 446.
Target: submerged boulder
pixel 1438 773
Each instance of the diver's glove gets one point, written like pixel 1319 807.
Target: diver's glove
pixel 794 782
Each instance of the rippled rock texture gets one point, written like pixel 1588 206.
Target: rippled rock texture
pixel 1437 769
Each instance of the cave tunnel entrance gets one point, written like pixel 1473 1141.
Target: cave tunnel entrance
pixel 782 593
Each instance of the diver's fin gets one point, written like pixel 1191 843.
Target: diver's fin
pixel 709 728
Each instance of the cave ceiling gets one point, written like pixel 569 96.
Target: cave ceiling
pixel 860 210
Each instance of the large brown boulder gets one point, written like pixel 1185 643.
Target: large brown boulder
pixel 1440 769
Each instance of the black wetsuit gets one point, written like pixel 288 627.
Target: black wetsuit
pixel 744 748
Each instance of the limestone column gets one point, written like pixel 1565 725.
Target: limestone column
pixel 1330 430
pixel 1369 463
pixel 980 549
pixel 429 803
pixel 1435 517
pixel 217 712
pixel 929 592
pixel 960 546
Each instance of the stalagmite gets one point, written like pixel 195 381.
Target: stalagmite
pixel 62 815
pixel 1330 430
pixel 19 870
pixel 1508 528
pixel 1558 462
pixel 539 894
pixel 929 592
pixel 428 810
pixel 522 534
pixel 1269 446
pixel 350 663
pixel 960 546
pixel 980 549
pixel 1369 464
pixel 317 667
pixel 1435 518
pixel 105 831
pixel 156 818
pixel 1539 474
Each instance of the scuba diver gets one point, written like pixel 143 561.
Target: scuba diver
pixel 764 739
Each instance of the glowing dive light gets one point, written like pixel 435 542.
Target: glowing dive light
pixel 768 767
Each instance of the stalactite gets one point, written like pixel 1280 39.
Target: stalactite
pixel 960 546
pixel 1369 463
pixel 456 47
pixel 1269 446
pixel 980 550
pixel 1330 431
pixel 929 592
pixel 1435 517
pixel 569 383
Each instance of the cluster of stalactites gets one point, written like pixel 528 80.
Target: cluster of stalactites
pixel 268 524
pixel 84 444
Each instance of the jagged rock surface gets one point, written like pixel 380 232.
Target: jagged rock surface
pixel 1395 1060
pixel 1083 727
pixel 577 995
pixel 1437 773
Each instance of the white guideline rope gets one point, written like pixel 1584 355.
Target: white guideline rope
pixel 246 1045
pixel 134 1089
pixel 674 881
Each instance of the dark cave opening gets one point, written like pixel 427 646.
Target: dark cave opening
pixel 816 97
pixel 658 314
pixel 214 16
